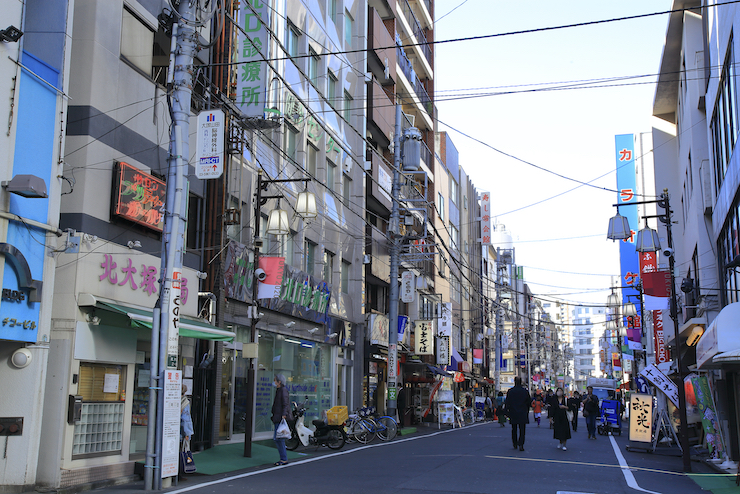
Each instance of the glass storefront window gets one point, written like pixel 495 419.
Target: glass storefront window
pixel 139 413
pixel 306 366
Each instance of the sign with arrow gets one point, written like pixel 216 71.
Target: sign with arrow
pixel 210 144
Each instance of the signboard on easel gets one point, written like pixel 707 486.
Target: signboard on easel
pixel 641 418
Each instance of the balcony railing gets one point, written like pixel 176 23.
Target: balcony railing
pixel 426 156
pixel 408 71
pixel 417 29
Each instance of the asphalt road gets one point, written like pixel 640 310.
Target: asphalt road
pixel 474 459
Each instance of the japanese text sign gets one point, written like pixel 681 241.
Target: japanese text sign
pixel 444 321
pixel 251 50
pixel 423 338
pixel 485 217
pixel 641 418
pixel 139 197
pixel 171 423
pixel 443 350
pixel 407 287
pixel 661 381
pixel 210 144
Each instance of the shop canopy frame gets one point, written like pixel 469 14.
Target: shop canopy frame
pixel 188 328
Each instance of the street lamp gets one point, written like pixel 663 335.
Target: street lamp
pixel 648 241
pixel 619 228
pixel 629 310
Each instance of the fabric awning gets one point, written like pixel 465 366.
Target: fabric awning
pixel 189 326
pixel 438 370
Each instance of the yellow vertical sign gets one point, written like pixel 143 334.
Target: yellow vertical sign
pixel 641 418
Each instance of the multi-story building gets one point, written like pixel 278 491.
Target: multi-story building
pixel 34 61
pixel 588 328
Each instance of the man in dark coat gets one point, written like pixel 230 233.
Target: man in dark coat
pixel 517 406
pixel 280 411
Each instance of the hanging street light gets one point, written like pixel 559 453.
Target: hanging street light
pixel 305 205
pixel 277 222
pixel 619 228
pixel 612 301
pixel 629 310
pixel 647 240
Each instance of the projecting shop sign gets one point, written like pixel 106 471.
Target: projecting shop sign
pixel 423 338
pixel 210 144
pixel 661 382
pixel 443 350
pixel 444 321
pixel 251 49
pixel 407 287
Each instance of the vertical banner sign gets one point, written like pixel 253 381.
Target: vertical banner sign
pixel 210 144
pixel 661 352
pixel 274 268
pixel 423 338
pixel 251 86
pixel 627 186
pixel 408 290
pixel 443 350
pixel 485 217
pixel 444 321
pixel 173 321
pixel 171 423
pixel 392 371
pixel 641 418
pixel 704 401
pixel 522 347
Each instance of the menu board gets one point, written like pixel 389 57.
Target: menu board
pixel 171 423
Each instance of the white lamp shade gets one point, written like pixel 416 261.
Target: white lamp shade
pixel 611 325
pixel 629 309
pixel 277 222
pixel 612 300
pixel 305 206
pixel 647 240
pixel 619 228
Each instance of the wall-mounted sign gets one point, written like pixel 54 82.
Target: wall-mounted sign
pixel 485 217
pixel 444 321
pixel 171 423
pixel 443 350
pixel 423 338
pixel 408 290
pixel 138 196
pixel 251 86
pixel 13 295
pixel 210 145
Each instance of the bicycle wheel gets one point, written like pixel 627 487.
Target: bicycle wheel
pixel 363 431
pixel 335 439
pixel 387 428
pixel 468 416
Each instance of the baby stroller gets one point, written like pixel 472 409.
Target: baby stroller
pixel 610 419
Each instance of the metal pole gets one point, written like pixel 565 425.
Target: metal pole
pixel 683 433
pixel 497 287
pixel 393 249
pixel 251 374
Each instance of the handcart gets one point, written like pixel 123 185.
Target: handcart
pixel 610 419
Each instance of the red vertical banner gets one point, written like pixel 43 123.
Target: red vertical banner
pixel 649 264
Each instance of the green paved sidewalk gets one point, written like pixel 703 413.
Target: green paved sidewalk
pixel 224 458
pixel 717 483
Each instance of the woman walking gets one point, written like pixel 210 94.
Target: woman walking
pixel 280 411
pixel 561 425
pixel 574 405
pixel 500 400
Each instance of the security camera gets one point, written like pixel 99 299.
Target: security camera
pixel 668 252
pixel 260 274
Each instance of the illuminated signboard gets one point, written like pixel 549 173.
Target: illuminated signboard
pixel 138 196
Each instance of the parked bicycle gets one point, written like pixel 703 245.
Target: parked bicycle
pixel 363 426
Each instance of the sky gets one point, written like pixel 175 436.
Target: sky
pixel 570 132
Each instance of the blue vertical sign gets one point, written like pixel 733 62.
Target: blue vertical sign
pixel 627 186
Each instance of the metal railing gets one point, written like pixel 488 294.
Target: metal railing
pixel 426 156
pixel 417 29
pixel 419 89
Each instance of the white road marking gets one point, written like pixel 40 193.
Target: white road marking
pixel 316 458
pixel 628 476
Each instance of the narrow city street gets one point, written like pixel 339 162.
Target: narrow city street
pixel 474 459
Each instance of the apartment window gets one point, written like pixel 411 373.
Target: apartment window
pixel 441 206
pixel 291 136
pixel 586 361
pixel 137 40
pixel 453 192
pixel 292 37
pixel 347 106
pixel 346 188
pixel 331 89
pixel 313 67
pixel 345 276
pixel 309 256
pixel 724 119
pixel 331 170
pixel 454 237
pixel 333 10
pixel 348 26
pixel 312 156
pixel 328 267
pixel 426 308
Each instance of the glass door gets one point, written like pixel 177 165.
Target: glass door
pixel 225 426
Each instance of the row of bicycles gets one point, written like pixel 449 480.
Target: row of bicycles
pixel 364 425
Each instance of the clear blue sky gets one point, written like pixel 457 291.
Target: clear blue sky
pixel 568 131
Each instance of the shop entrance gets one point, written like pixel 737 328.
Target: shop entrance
pixel 233 416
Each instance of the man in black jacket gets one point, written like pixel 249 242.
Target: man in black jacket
pixel 517 406
pixel 591 411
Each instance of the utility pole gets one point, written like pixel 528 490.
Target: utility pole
pixel 393 232
pixel 499 321
pixel 166 313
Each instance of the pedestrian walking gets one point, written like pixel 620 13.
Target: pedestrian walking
pixel 560 421
pixel 186 427
pixel 549 403
pixel 488 408
pixel 538 403
pixel 280 411
pixel 591 411
pixel 517 406
pixel 500 400
pixel 574 405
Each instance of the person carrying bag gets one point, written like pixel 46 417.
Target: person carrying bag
pixel 186 457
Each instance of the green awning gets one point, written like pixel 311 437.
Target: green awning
pixel 189 327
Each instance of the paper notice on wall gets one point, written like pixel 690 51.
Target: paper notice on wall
pixel 171 423
pixel 110 384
